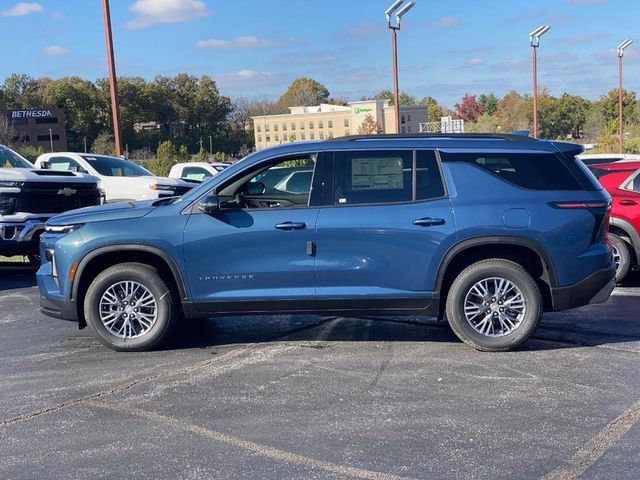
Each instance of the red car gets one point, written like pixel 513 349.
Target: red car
pixel 622 181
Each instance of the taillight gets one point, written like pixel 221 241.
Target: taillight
pixel 601 212
pixel 580 205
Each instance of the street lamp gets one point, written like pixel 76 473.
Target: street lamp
pixel 394 27
pixel 113 85
pixel 621 49
pixel 534 41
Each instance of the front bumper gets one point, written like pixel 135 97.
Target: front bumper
pixel 20 238
pixel 62 309
pixel 596 288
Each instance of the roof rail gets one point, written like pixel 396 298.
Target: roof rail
pixel 453 136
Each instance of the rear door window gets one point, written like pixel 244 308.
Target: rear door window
pixel 373 177
pixel 533 171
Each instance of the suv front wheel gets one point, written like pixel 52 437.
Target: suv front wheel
pixel 130 307
pixel 494 305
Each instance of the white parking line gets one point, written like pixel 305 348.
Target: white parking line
pixel 256 448
pixel 595 448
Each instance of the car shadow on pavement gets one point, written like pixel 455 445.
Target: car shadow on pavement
pixel 17 275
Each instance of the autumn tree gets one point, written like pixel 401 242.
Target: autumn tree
pixel 369 126
pixel 403 97
pixel 469 109
pixel 434 110
pixel 514 112
pixel 303 92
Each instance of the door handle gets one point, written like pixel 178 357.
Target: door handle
pixel 628 203
pixel 291 226
pixel 429 222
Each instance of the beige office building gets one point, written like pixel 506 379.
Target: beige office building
pixel 330 121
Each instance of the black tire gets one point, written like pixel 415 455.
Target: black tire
pixel 503 339
pixel 148 337
pixel 622 255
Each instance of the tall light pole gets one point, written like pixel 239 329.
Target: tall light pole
pixel 621 49
pixel 534 41
pixel 394 27
pixel 113 85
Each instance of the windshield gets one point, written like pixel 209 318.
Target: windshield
pixel 10 159
pixel 115 167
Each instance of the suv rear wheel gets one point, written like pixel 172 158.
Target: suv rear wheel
pixel 494 305
pixel 130 307
pixel 621 255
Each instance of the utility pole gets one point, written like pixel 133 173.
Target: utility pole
pixel 620 50
pixel 113 85
pixel 534 41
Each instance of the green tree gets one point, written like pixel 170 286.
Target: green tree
pixel 490 103
pixel 609 105
pixel 21 91
pixel 104 144
pixel 434 110
pixel 303 92
pixel 514 112
pixel 403 97
pixel 84 111
pixel 166 157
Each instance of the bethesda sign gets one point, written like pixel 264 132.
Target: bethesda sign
pixel 31 113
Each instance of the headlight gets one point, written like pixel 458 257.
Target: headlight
pixel 164 188
pixel 62 228
pixel 10 184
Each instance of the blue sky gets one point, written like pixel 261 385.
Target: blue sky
pixel 255 48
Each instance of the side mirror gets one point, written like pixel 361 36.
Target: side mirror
pixel 210 204
pixel 255 188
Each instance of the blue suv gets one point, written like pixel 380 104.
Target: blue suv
pixel 487 230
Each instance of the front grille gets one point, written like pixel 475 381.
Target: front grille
pixel 51 197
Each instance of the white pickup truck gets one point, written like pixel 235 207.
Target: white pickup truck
pixel 29 197
pixel 196 172
pixel 120 179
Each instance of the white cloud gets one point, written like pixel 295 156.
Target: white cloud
pixel 474 62
pixel 445 22
pixel 57 15
pixel 239 42
pixel 150 12
pixel 364 30
pixel 55 50
pixel 21 9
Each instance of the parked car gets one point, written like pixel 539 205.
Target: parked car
pixel 196 172
pixel 491 230
pixel 29 197
pixel 600 158
pixel 120 179
pixel 622 181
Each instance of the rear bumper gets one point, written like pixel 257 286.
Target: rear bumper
pixel 596 288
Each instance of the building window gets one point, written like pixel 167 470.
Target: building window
pixel 321 135
pixel 402 119
pixel 301 125
pixel 320 124
pixel 259 138
pixel 312 135
pixel 404 130
pixel 346 123
pixel 258 128
pixel 310 125
pixel 293 126
pixel 330 134
pixel 268 138
pixel 303 136
pixel 330 124
pixel 46 120
pixel 408 118
pixel 277 137
pixel 266 128
pixel 47 137
pixel 409 128
pixel 19 121
pixel 284 127
pixel 346 133
pixel 275 127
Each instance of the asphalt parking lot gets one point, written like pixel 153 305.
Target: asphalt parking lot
pixel 293 397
